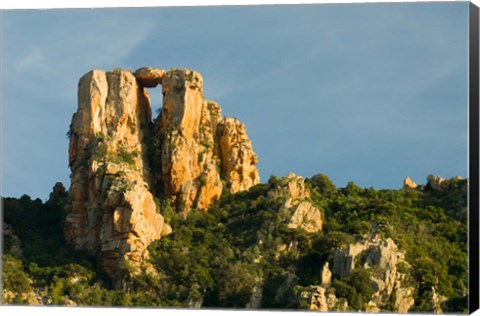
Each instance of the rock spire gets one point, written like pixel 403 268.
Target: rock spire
pixel 121 162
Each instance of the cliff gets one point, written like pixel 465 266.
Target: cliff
pixel 116 177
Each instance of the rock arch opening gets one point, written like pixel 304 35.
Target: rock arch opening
pixel 150 78
pixel 156 101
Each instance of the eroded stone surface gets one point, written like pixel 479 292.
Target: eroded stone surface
pixel 409 184
pixel 238 161
pixel 326 275
pixel 198 147
pixel 149 77
pixel 381 257
pixel 301 212
pixel 111 213
pixel 306 216
pixel 121 161
pixel 315 298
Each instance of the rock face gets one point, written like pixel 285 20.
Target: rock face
pixel 199 149
pixel 238 160
pixel 186 131
pixel 409 184
pixel 292 187
pixel 315 299
pixel 121 161
pixel 307 217
pixel 326 275
pixel 112 213
pixel 302 213
pixel 381 257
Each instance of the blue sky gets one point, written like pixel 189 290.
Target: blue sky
pixel 368 93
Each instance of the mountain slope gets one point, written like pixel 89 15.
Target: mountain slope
pixel 242 253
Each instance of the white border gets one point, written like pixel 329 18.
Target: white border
pixel 48 4
pixel 56 4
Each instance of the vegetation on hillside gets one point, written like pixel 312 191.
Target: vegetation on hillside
pixel 219 257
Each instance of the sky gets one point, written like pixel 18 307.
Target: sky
pixel 369 93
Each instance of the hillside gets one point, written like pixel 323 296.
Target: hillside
pixel 242 253
pixel 169 212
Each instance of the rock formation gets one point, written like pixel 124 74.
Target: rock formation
pixel 237 158
pixel 199 149
pixel 315 298
pixel 307 217
pixel 319 298
pixel 112 213
pixel 292 187
pixel 302 213
pixel 121 161
pixel 408 184
pixel 185 130
pixel 381 257
pixel 326 275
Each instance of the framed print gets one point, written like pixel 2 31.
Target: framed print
pixel 301 157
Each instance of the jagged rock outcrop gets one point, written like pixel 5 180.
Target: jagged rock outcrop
pixel 325 275
pixel 437 300
pixel 381 258
pixel 238 160
pixel 306 216
pixel 112 213
pixel 292 187
pixel 199 149
pixel 437 183
pixel 320 298
pixel 121 161
pixel 302 213
pixel 186 126
pixel 314 298
pixel 404 299
pixel 408 184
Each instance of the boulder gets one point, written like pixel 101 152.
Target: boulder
pixel 306 216
pixel 149 77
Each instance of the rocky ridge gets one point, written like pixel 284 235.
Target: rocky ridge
pixel 122 162
pixel 381 258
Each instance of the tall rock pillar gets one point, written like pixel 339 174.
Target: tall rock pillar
pixel 112 213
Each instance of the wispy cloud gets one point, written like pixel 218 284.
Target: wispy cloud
pixel 69 47
pixel 33 60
